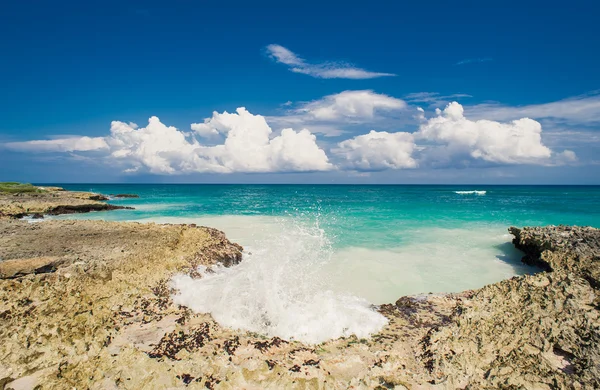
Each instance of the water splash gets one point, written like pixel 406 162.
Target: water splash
pixel 280 289
pixel 470 192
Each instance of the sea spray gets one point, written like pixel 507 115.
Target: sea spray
pixel 280 289
pixel 475 192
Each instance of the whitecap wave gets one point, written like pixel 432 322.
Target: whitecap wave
pixel 470 192
pixel 279 289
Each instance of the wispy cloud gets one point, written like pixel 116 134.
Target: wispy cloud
pixel 70 144
pixel 583 109
pixel 325 70
pixel 474 60
pixel 433 97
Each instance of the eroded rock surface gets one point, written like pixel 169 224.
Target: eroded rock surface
pixel 537 331
pixel 52 201
pixel 104 319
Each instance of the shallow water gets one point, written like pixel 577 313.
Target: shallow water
pixel 316 257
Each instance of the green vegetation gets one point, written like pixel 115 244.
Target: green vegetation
pixel 12 187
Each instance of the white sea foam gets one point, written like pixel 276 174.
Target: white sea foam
pixel 30 219
pixel 470 192
pixel 280 289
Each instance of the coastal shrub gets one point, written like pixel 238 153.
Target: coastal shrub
pixel 12 187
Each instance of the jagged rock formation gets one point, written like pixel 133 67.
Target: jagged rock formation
pixel 538 331
pixel 56 325
pixel 52 201
pixel 103 318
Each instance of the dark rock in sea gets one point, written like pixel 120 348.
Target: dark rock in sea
pixel 125 196
pixel 86 208
pixel 98 197
pixel 37 216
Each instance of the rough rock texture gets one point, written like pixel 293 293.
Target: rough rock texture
pixel 539 331
pixel 34 265
pixel 58 325
pixel 104 319
pixel 53 201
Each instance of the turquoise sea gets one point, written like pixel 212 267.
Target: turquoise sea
pixel 325 251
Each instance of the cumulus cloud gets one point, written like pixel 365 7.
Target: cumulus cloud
pixel 336 114
pixel 243 142
pixel 451 139
pixel 378 151
pixel 248 147
pixel 70 144
pixel 515 142
pixel 159 148
pixel 326 70
pixel 566 157
pixel 352 105
pixel 162 149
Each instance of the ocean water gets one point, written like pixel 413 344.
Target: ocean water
pixel 317 257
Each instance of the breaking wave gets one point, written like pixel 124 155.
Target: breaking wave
pixel 280 289
pixel 470 192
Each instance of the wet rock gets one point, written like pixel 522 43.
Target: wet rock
pixel 125 196
pixel 85 208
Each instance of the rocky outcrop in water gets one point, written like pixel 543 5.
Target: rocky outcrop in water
pixel 125 196
pixel 52 201
pixel 99 315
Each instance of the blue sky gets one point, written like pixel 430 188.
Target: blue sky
pixel 69 69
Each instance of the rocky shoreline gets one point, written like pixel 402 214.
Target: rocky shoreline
pixel 87 304
pixel 52 201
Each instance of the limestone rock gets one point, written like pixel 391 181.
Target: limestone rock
pixel 54 201
pixel 105 320
pixel 34 265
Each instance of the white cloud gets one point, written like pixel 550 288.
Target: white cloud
pixel 582 109
pixel 326 129
pixel 69 144
pixel 516 142
pixel 351 105
pixel 378 151
pixel 161 149
pixel 248 147
pixel 433 97
pixel 326 70
pixel 333 115
pixel 244 142
pixel 566 157
pixel 203 130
